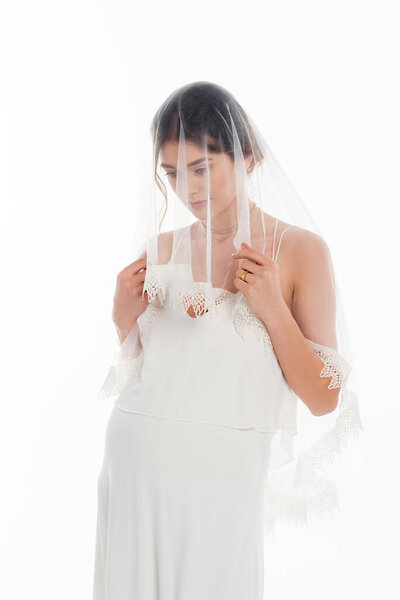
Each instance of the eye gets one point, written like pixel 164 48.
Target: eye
pixel 201 170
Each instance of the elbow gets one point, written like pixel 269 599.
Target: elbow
pixel 324 406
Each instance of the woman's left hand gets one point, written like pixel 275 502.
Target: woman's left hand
pixel 262 288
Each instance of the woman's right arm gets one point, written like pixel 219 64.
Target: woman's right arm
pixel 128 301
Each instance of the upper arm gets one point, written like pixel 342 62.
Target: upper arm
pixel 314 300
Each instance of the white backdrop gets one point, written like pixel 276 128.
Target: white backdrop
pixel 80 80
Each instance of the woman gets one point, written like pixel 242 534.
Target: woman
pixel 221 348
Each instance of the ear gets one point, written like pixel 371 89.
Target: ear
pixel 249 160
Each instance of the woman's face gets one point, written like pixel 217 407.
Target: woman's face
pixel 214 170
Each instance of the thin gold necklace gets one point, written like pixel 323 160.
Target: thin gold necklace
pixel 228 229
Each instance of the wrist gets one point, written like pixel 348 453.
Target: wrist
pixel 124 330
pixel 276 316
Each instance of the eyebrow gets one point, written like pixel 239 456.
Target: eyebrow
pixel 199 160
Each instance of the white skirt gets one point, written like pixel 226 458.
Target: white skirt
pixel 180 511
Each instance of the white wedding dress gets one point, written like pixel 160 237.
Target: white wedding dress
pixel 181 489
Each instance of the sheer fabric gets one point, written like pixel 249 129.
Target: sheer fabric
pixel 211 184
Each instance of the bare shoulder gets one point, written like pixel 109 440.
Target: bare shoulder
pixel 302 254
pixel 300 242
pixel 295 241
pixel 306 258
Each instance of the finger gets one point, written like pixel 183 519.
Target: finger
pixel 140 277
pixel 137 280
pixel 134 268
pixel 241 285
pixel 138 263
pixel 248 278
pixel 251 266
pixel 257 257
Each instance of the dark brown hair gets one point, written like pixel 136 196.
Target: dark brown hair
pixel 202 107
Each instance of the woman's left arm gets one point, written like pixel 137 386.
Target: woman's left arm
pixel 313 314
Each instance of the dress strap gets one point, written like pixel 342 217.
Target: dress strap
pixel 280 240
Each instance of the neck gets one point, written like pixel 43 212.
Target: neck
pixel 226 222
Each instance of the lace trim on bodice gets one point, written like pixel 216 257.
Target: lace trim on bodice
pixel 182 292
pixel 172 283
pixel 246 321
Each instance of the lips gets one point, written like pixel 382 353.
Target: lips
pixel 197 204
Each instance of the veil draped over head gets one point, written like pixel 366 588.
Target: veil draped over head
pixel 209 182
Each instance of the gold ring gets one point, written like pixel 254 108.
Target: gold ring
pixel 243 275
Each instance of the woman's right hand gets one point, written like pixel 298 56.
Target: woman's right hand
pixel 128 302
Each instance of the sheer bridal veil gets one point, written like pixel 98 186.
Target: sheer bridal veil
pixel 209 182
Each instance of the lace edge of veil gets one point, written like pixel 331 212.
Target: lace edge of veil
pixel 119 375
pixel 312 496
pixel 296 493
